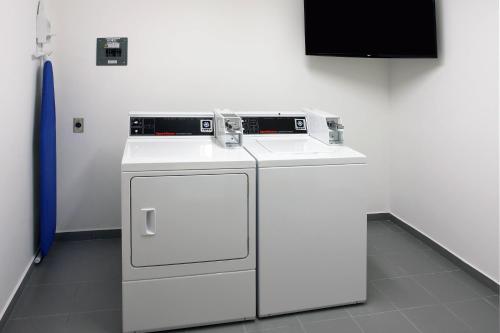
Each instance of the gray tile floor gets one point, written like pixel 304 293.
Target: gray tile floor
pixel 411 289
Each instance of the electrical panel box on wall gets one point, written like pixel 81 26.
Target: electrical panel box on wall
pixel 112 51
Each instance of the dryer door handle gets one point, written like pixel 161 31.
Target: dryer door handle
pixel 149 221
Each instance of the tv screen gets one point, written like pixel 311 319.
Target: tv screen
pixel 371 28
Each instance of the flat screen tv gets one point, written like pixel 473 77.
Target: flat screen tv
pixel 371 28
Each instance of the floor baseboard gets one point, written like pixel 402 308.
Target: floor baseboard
pixel 17 294
pixel 436 246
pixel 379 217
pixel 88 235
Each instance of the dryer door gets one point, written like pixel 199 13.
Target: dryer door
pixel 189 219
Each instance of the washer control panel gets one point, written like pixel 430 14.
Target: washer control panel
pixel 171 126
pixel 274 125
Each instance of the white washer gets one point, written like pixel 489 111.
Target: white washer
pixel 188 225
pixel 311 216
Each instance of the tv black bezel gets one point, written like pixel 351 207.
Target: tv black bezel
pixel 373 55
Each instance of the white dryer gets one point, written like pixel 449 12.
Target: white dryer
pixel 188 225
pixel 311 216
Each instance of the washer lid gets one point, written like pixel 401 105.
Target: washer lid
pixel 282 151
pixel 200 153
pixel 293 146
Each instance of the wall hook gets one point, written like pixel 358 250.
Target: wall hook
pixel 43 31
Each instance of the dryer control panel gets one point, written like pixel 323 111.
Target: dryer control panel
pixel 274 125
pixel 171 126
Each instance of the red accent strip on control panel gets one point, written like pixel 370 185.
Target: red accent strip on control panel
pixel 268 131
pixel 165 133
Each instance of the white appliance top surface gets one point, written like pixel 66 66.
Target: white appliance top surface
pixel 298 150
pixel 293 146
pixel 193 153
pixel 270 113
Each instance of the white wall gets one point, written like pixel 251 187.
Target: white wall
pixel 195 55
pixel 17 107
pixel 444 137
pixel 198 55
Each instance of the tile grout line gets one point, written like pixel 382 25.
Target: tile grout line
pixel 15 305
pixel 382 252
pixel 21 308
pixel 458 317
pixel 397 309
pixel 50 284
pixel 65 321
pixel 386 230
pixel 445 306
pixel 412 275
pixel 471 288
pixel 385 295
pixel 330 319
pixel 485 298
pixel 257 331
pixel 427 290
pixel 265 329
pixel 427 252
pixel 411 322
pixel 420 249
pixel 63 314
pixel 301 324
pixel 58 314
pixel 356 322
pixel 444 302
pixel 445 253
pixel 348 316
